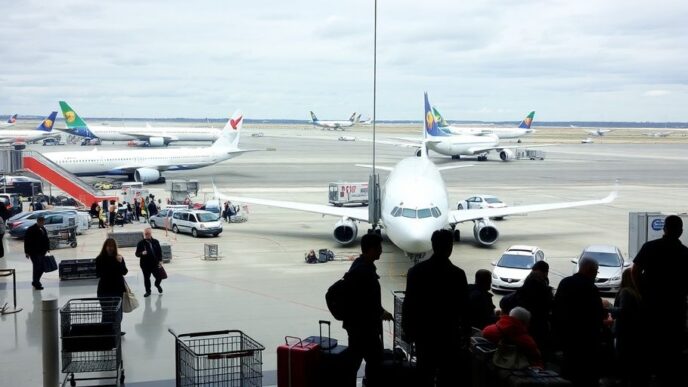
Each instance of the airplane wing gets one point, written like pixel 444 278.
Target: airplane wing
pixel 458 216
pixel 376 167
pixel 348 212
pixel 501 148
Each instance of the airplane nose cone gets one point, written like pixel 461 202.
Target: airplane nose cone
pixel 413 240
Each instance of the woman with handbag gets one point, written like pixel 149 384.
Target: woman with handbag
pixel 111 269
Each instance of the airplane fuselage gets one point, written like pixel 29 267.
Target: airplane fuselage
pixel 11 135
pixel 414 204
pixel 463 145
pixel 502 133
pixel 118 133
pixel 333 124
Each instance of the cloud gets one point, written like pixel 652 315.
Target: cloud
pixel 656 93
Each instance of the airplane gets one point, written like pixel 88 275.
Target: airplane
pixel 335 125
pixel 146 136
pixel 415 203
pixel 10 122
pixel 598 132
pixel 657 134
pixel 367 121
pixel 523 128
pixel 146 166
pixel 22 136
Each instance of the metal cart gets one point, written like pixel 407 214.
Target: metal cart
pixel 64 236
pixel 91 338
pixel 221 358
pixel 398 341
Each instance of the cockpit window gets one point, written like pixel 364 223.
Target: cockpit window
pixel 424 213
pixel 435 212
pixel 396 211
pixel 408 213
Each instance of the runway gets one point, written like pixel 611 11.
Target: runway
pixel 262 286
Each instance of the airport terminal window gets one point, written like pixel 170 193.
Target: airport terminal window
pixel 409 213
pixel 435 212
pixel 424 213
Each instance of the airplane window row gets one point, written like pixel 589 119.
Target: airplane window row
pixel 413 213
pixel 126 159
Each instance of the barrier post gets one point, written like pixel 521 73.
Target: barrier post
pixel 6 309
pixel 51 355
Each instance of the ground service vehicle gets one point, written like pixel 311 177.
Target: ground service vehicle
pixel 196 222
pixel 341 193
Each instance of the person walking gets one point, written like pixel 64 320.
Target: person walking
pixel 150 254
pixel 365 326
pixel 36 246
pixel 434 314
pixel 110 269
pixel 658 271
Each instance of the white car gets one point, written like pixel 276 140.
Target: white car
pixel 196 222
pixel 513 267
pixel 612 265
pixel 481 201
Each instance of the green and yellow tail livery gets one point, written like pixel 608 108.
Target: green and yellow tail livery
pixel 441 122
pixel 71 118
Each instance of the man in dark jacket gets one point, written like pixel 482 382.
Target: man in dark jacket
pixel 434 314
pixel 481 309
pixel 658 271
pixel 364 326
pixel 36 246
pixel 150 254
pixel 578 316
pixel 537 297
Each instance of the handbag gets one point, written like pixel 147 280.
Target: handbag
pixel 49 264
pixel 508 356
pixel 129 301
pixel 162 273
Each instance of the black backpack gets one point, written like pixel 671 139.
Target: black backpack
pixel 338 298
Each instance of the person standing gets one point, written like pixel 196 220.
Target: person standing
pixel 434 314
pixel 628 333
pixel 537 297
pixel 481 309
pixel 150 254
pixel 658 271
pixel 365 326
pixel 137 209
pixel 36 246
pixel 110 269
pixel 578 316
pixel 4 215
pixel 112 213
pixel 152 208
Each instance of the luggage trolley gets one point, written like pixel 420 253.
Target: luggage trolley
pixel 220 358
pixel 64 236
pixel 398 341
pixel 91 338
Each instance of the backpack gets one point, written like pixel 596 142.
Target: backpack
pixel 338 298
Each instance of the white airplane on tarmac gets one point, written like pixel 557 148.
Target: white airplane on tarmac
pixel 153 136
pixel 10 122
pixel 414 203
pixel 146 165
pixel 523 128
pixel 335 125
pixel 22 136
pixel 598 132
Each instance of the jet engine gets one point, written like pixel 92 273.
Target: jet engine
pixel 507 154
pixel 156 141
pixel 485 232
pixel 146 175
pixel 345 231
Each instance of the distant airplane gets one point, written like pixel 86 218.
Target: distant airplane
pixel 598 132
pixel 523 128
pixel 335 125
pixel 146 166
pixel 657 134
pixel 414 204
pixel 367 121
pixel 10 121
pixel 22 136
pixel 149 135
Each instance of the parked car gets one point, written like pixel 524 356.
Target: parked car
pixel 513 267
pixel 12 203
pixel 196 222
pixel 90 141
pixel 163 217
pixel 611 265
pixel 52 141
pixel 53 220
pixel 480 201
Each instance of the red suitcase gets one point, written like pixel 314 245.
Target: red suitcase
pixel 297 363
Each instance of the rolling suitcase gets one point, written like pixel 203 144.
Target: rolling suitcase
pixel 531 377
pixel 297 363
pixel 334 366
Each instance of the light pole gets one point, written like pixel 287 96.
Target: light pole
pixel 374 179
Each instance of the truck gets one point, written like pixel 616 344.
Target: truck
pixel 133 190
pixel 531 154
pixel 341 193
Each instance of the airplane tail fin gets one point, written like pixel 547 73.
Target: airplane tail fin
pixel 431 128
pixel 352 117
pixel 12 119
pixel 47 124
pixel 357 119
pixel 525 124
pixel 229 137
pixel 441 122
pixel 314 118
pixel 71 118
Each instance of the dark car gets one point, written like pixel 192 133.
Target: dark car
pixel 12 203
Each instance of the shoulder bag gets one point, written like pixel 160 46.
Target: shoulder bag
pixel 129 301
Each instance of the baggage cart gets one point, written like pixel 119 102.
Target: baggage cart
pixel 90 331
pixel 398 334
pixel 222 358
pixel 63 236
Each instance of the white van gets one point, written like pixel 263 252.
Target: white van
pixel 196 222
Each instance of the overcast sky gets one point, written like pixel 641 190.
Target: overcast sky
pixel 611 60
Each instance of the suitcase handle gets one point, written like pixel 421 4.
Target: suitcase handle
pixel 286 341
pixel 329 333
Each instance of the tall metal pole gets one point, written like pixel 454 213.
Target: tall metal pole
pixel 373 182
pixel 374 80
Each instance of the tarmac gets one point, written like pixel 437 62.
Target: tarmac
pixel 262 286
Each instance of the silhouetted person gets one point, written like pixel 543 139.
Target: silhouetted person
pixel 152 208
pixel 364 327
pixel 512 329
pixel 36 246
pixel 578 316
pixel 659 271
pixel 4 215
pixel 481 309
pixel 110 269
pixel 112 213
pixel 628 332
pixel 537 297
pixel 150 253
pixel 434 314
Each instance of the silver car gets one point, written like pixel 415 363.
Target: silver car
pixel 612 265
